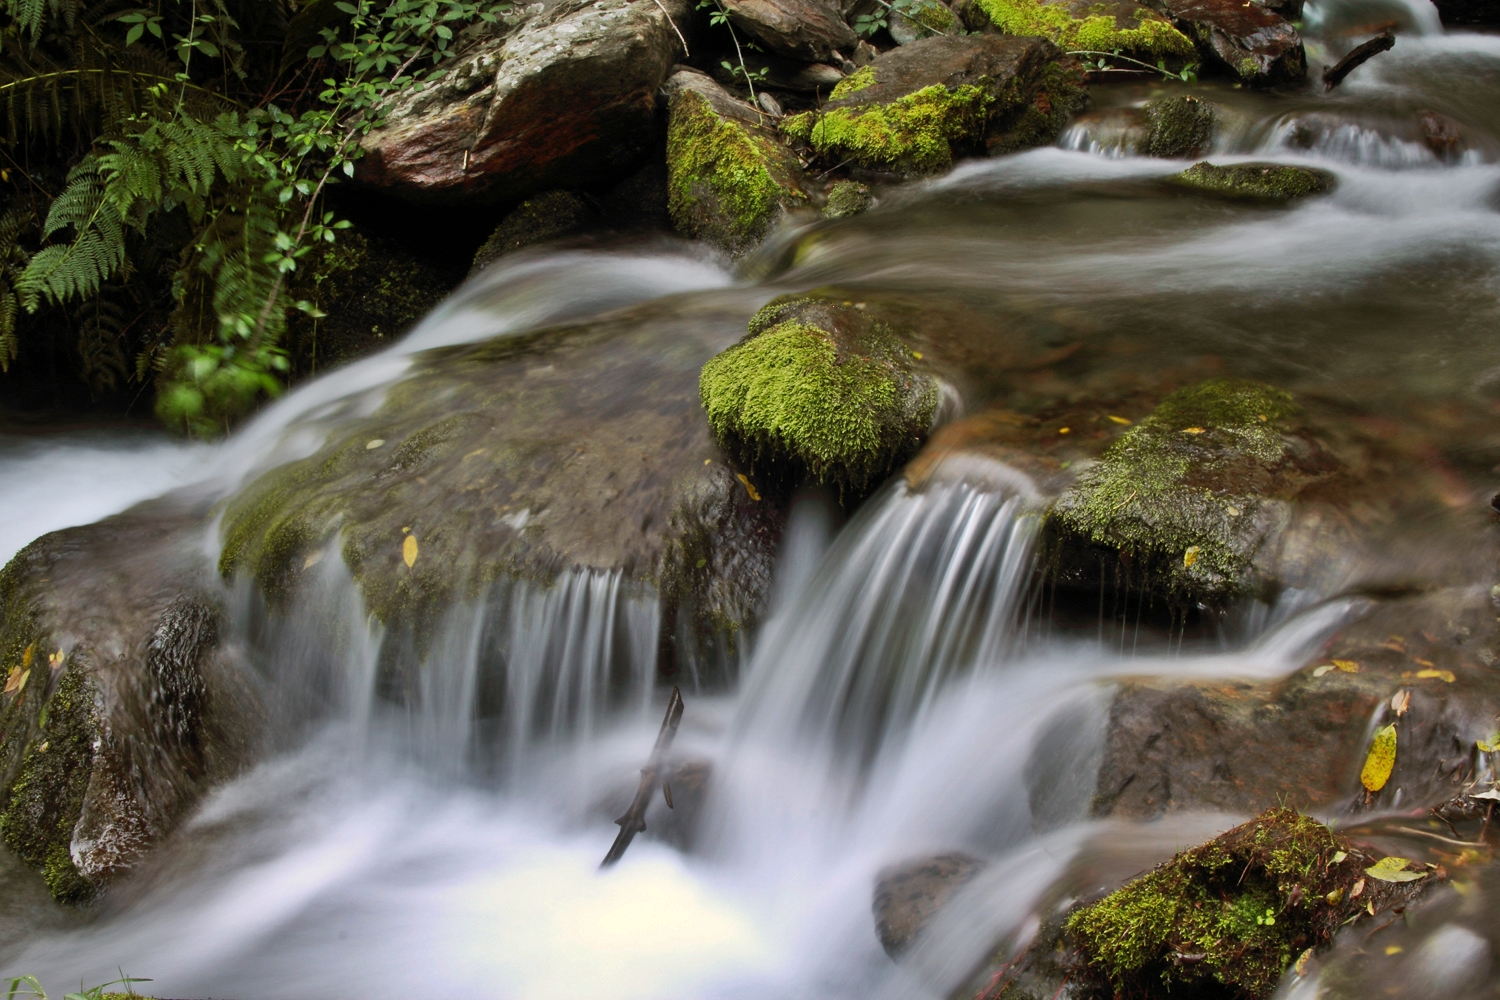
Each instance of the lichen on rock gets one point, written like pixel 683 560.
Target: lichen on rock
pixel 1079 25
pixel 1257 181
pixel 821 389
pixel 1181 126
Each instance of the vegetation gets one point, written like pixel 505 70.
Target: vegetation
pixel 1097 31
pixel 168 164
pixel 913 134
pixel 1257 181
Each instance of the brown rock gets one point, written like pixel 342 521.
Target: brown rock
pixel 909 895
pixel 1253 42
pixel 810 30
pixel 1441 134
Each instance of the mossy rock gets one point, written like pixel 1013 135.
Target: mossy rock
pixel 913 110
pixel 847 198
pixel 1257 181
pixel 1185 499
pixel 550 215
pixel 1228 918
pixel 580 447
pixel 729 176
pixel 820 388
pixel 1099 27
pixel 1180 127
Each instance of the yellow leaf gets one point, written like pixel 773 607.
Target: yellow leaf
pixel 27 655
pixel 1192 430
pixel 1119 420
pixel 1191 555
pixel 917 355
pixel 1381 761
pixel 749 487
pixel 1489 747
pixel 1303 962
pixel 1334 898
pixel 1338 856
pixel 1393 949
pixel 1065 430
pixel 409 550
pixel 1446 676
pixel 1393 869
pixel 1347 666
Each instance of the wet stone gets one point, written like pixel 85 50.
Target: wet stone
pixel 1180 127
pixel 1255 44
pixel 810 30
pixel 909 895
pixel 1272 182
pixel 547 216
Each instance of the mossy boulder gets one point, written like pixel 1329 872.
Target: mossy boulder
pixel 820 388
pixel 1180 127
pixel 1225 919
pixel 913 110
pixel 1256 181
pixel 729 176
pixel 1073 25
pixel 847 198
pixel 550 215
pixel 1248 40
pixel 576 448
pixel 1185 499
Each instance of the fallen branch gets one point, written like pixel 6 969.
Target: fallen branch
pixel 634 819
pixel 1380 43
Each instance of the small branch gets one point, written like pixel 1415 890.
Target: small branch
pixel 1380 43
pixel 634 819
pixel 121 72
pixel 685 53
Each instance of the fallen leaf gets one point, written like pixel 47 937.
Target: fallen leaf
pixel 1446 676
pixel 1393 949
pixel 1338 856
pixel 1396 643
pixel 1192 430
pixel 1303 961
pixel 1326 668
pixel 1422 663
pixel 749 487
pixel 1401 702
pixel 1065 430
pixel 1489 747
pixel 1347 666
pixel 1488 793
pixel 1370 907
pixel 14 680
pixel 26 656
pixel 1232 511
pixel 409 550
pixel 1381 760
pixel 1119 420
pixel 917 355
pixel 1393 869
pixel 313 558
pixel 1191 555
pixel 374 443
pixel 1358 890
pixel 1334 898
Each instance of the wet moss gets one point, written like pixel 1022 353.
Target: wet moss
pixel 914 134
pixel 1257 181
pixel 1039 123
pixel 725 182
pixel 1232 914
pixel 1181 126
pixel 1098 32
pixel 860 79
pixel 847 198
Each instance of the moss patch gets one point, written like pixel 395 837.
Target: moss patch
pixel 1257 181
pixel 914 134
pixel 845 408
pixel 1100 32
pixel 847 198
pixel 1181 126
pixel 1232 914
pixel 860 79
pixel 725 182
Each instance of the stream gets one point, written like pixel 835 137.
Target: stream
pixel 909 693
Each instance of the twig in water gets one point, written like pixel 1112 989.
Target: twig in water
pixel 1380 43
pixel 634 819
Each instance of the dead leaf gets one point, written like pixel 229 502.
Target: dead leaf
pixel 1358 890
pixel 1489 793
pixel 1446 676
pixel 374 443
pixel 1192 430
pixel 1401 702
pixel 1422 663
pixel 1326 668
pixel 1393 869
pixel 1347 666
pixel 409 550
pixel 16 679
pixel 1190 556
pixel 1381 760
pixel 26 656
pixel 1395 643
pixel 749 487
pixel 1489 747
pixel 1119 420
pixel 1394 949
pixel 1303 961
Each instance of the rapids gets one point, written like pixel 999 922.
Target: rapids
pixel 909 693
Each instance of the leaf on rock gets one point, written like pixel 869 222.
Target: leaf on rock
pixel 1393 869
pixel 1401 702
pixel 16 681
pixel 1347 666
pixel 1446 676
pixel 1190 556
pixel 409 550
pixel 1381 761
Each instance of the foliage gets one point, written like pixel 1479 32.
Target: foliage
pixel 1091 32
pixel 178 138
pixel 31 986
pixel 718 16
pixel 913 134
pixel 931 17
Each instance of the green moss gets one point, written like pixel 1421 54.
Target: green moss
pixel 847 198
pixel 1181 126
pixel 1234 912
pixel 788 393
pixel 723 182
pixel 1097 32
pixel 1144 495
pixel 1040 122
pixel 912 134
pixel 1257 181
pixel 853 83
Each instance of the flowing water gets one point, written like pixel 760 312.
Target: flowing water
pixel 910 692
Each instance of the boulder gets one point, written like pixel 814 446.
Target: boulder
pixel 120 708
pixel 914 109
pixel 820 388
pixel 550 215
pixel 847 198
pixel 1257 181
pixel 809 30
pixel 909 895
pixel 1256 44
pixel 1115 25
pixel 572 450
pixel 1181 127
pixel 729 175
pixel 565 100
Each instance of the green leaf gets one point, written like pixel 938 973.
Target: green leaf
pixel 1393 869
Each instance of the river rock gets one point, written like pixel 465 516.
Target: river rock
pixel 1257 181
pixel 1256 44
pixel 1111 26
pixel 572 450
pixel 820 388
pixel 1180 127
pixel 550 215
pixel 120 707
pixel 565 100
pixel 916 108
pixel 729 175
pixel 810 30
pixel 909 895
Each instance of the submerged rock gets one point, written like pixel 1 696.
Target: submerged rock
pixel 810 30
pixel 1256 44
pixel 820 388
pixel 565 100
pixel 1118 25
pixel 847 198
pixel 1257 181
pixel 729 176
pixel 1181 127
pixel 909 895
pixel 550 215
pixel 912 110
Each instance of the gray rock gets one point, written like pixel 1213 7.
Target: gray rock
pixel 566 100
pixel 909 895
pixel 811 30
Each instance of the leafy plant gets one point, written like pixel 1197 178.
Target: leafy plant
pixel 1104 62
pixel 918 12
pixel 719 16
pixel 30 986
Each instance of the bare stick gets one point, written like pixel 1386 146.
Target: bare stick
pixel 685 53
pixel 634 819
pixel 1380 43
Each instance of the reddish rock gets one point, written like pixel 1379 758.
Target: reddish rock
pixel 1255 43
pixel 1441 134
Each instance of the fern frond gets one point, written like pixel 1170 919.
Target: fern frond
pixel 72 270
